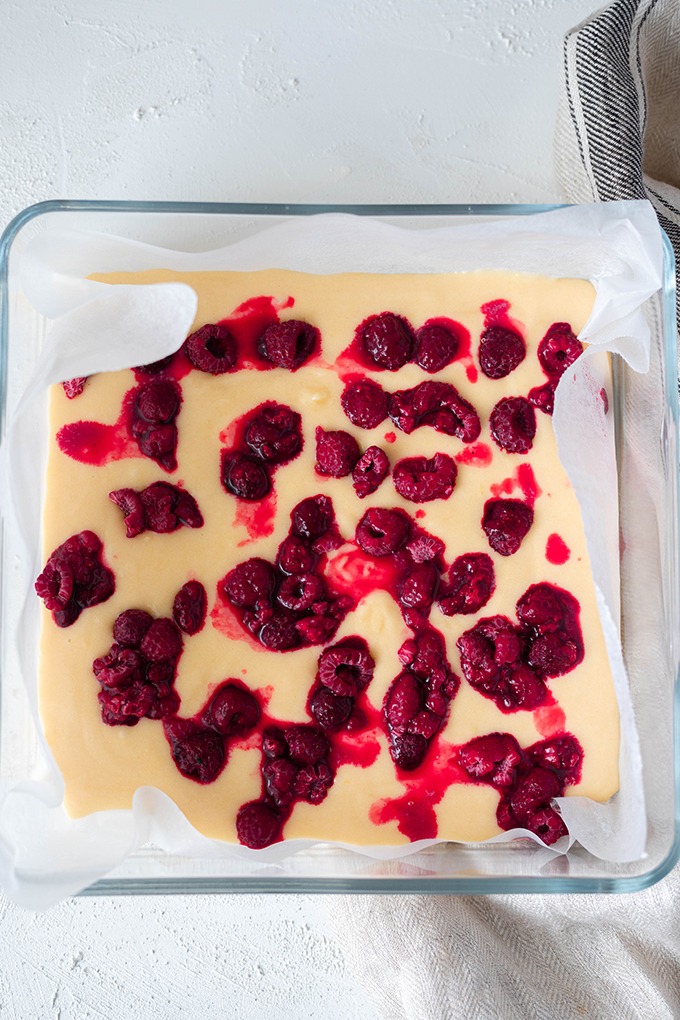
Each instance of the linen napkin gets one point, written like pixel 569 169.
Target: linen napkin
pixel 519 957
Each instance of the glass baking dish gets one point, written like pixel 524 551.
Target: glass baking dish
pixel 517 867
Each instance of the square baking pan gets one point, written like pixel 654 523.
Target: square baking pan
pixel 651 566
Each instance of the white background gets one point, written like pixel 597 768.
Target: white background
pixel 252 100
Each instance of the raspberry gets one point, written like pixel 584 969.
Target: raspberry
pixel 279 776
pixel 513 424
pixel 231 710
pixel 534 791
pixel 250 583
pixel 421 480
pixel 436 347
pixel 295 556
pixel 403 702
pixel 346 668
pixel 370 471
pixel 558 349
pixel 300 591
pixel 279 633
pixel 74 387
pixel 130 502
pixel 330 711
pixel 381 532
pixel 408 750
pixel 74 578
pixel 563 755
pixel 313 782
pixel 491 655
pixel 119 668
pixel 418 589
pixel 336 453
pixel 551 618
pixel 470 584
pixel 313 517
pixel 160 507
pixel 190 607
pixel 437 404
pixel 159 443
pixel 288 344
pixel 543 397
pixel 212 349
pixel 307 745
pixel 162 641
pixel 199 756
pixel 493 758
pixel 423 547
pixel 365 403
pixel 155 366
pixel 257 825
pixel 126 708
pixel 130 627
pixel 274 743
pixel 274 433
pixel 506 522
pixel 501 350
pixel 387 339
pixel 157 402
pixel 244 477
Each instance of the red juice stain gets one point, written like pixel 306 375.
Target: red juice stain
pixel 476 455
pixel 258 518
pixel 419 514
pixel 556 550
pixel 496 314
pixel 605 400
pixel 225 620
pixel 92 442
pixel 356 574
pixel 549 719
pixel 390 437
pixel 524 479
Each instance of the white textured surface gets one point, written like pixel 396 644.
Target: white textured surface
pixel 352 101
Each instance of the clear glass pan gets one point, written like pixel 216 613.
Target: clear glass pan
pixel 517 867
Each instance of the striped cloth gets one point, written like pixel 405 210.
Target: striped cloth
pixel 543 957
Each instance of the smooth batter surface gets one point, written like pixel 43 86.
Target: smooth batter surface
pixel 102 766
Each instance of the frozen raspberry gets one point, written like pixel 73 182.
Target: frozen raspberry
pixel 403 702
pixel 166 508
pixel 159 443
pixel 494 758
pixel 513 424
pixel 190 607
pixel 74 578
pixel 130 627
pixel 423 547
pixel 288 344
pixel 295 556
pixel 365 403
pixel 313 782
pixel 157 402
pixel 300 591
pixel 243 476
pixel 436 347
pixel 491 656
pixel 408 750
pixel 506 522
pixel 534 790
pixel 279 776
pixel 501 350
pixel 119 668
pixel 381 532
pixel 199 756
pixel 257 825
pixel 186 508
pixel 547 824
pixel 422 479
pixel 437 404
pixel 313 517
pixel 558 349
pixel 370 471
pixel 563 755
pixel 336 453
pixel 330 711
pixel 74 387
pixel 346 668
pixel 250 583
pixel 130 502
pixel 543 397
pixel 418 589
pixel 307 745
pixel 274 433
pixel 162 641
pixel 317 630
pixel 279 633
pixel 387 339
pixel 231 710
pixel 212 348
pixel 126 708
pixel 551 615
pixel 470 585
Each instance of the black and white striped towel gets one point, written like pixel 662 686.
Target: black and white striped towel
pixel 541 957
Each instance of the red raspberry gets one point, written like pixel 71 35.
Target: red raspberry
pixel 387 339
pixel 212 349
